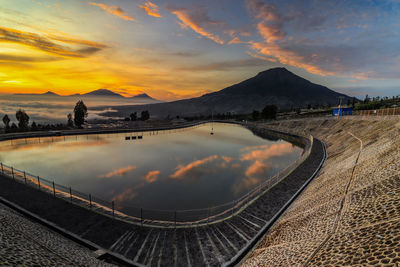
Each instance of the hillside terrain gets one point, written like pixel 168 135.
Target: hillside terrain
pixel 349 215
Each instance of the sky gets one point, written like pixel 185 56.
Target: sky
pixel 179 49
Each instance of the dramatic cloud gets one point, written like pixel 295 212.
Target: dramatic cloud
pixel 70 40
pixel 245 184
pixel 127 194
pixel 225 65
pixel 236 40
pixel 183 170
pixel 151 9
pixel 257 168
pixel 4 57
pixel 114 10
pixel 267 151
pixel 119 172
pixel 274 46
pixel 46 45
pixel 151 176
pixel 198 21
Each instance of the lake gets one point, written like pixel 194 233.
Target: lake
pixel 168 170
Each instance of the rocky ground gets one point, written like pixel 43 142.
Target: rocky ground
pixel 349 214
pixel 25 243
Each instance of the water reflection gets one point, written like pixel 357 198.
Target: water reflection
pixel 182 169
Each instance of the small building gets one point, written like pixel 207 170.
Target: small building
pixel 342 111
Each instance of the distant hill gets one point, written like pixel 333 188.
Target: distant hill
pixel 102 93
pixel 276 86
pixel 99 93
pixel 48 93
pixel 143 96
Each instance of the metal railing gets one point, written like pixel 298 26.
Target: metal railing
pixel 378 112
pixel 152 217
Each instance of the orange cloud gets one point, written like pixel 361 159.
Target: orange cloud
pixel 188 20
pixel 70 40
pixel 227 159
pixel 257 168
pixel 114 10
pixel 151 176
pixel 183 170
pixel 271 30
pixel 151 9
pixel 270 33
pixel 236 40
pixel 267 151
pixel 245 184
pixel 119 172
pixel 44 44
pixel 128 194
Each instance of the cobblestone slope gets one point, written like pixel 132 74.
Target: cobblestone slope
pixel 24 243
pixel 208 245
pixel 350 213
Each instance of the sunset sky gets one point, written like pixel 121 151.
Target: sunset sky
pixel 178 49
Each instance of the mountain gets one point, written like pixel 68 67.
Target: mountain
pixel 50 93
pixel 103 93
pixel 276 86
pixel 143 96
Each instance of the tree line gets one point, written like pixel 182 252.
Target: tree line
pixel 80 113
pixel 370 103
pixel 144 116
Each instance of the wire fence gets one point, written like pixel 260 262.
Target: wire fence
pixel 378 112
pixel 153 217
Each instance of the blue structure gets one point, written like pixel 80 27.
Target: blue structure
pixel 342 111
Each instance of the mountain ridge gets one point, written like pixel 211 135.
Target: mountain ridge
pixel 277 86
pixel 95 93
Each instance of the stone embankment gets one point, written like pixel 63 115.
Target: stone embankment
pixel 350 213
pixel 25 243
pixel 207 245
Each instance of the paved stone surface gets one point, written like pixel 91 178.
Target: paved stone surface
pixel 349 214
pixel 209 245
pixel 25 243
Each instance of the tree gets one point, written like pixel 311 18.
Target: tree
pixel 255 115
pixel 23 119
pixel 353 103
pixel 34 126
pixel 6 121
pixel 70 122
pixel 145 115
pixel 367 99
pixel 13 128
pixel 80 113
pixel 133 116
pixel 269 112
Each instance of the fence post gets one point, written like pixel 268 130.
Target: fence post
pixel 12 172
pixel 54 190
pixel 25 177
pixel 70 193
pixel 112 203
pixel 90 201
pixel 141 216
pixel 38 179
pixel 2 169
pixel 175 219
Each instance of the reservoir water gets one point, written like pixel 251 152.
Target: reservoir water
pixel 167 170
